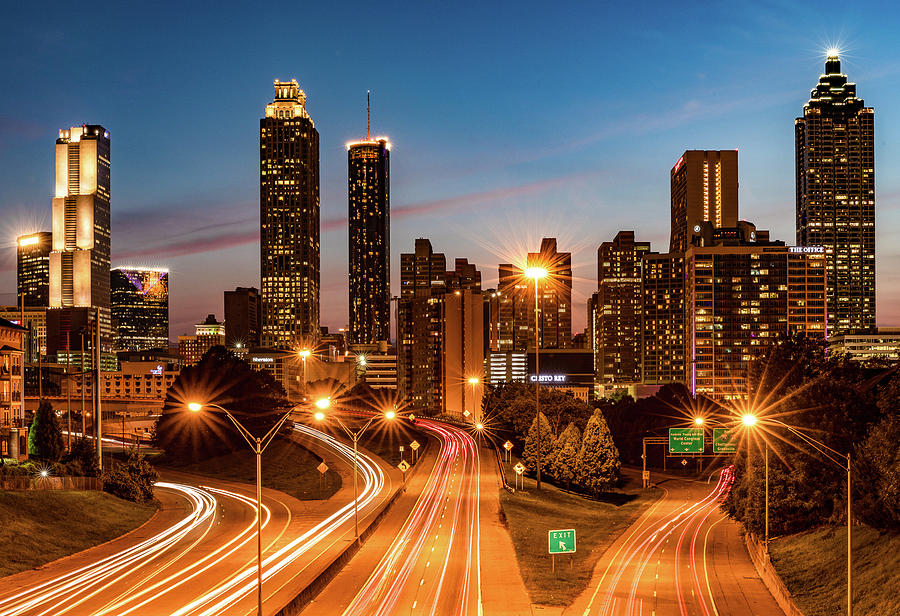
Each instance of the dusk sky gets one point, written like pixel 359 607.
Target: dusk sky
pixel 509 122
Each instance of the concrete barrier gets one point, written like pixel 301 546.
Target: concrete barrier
pixel 763 564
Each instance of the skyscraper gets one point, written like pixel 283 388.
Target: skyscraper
pixel 368 165
pixel 619 310
pixel 440 332
pixel 516 309
pixel 835 156
pixel 289 219
pixel 33 268
pixel 79 261
pixel 242 315
pixel 704 187
pixel 140 308
pixel 662 288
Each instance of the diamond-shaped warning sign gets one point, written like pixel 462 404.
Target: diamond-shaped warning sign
pixel 414 445
pixel 323 468
pixel 403 466
pixel 519 468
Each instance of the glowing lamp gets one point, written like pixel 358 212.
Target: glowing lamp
pixel 749 420
pixel 698 421
pixel 323 403
pixel 479 426
pixel 44 473
pixel 195 407
pixel 320 416
pixel 833 52
pixel 390 414
pixel 303 354
pixel 473 380
pixel 536 272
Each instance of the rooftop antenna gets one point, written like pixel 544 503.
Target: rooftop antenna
pixel 368 115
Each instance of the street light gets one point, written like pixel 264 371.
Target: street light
pixel 303 354
pixel 698 421
pixel 537 273
pixel 841 460
pixel 474 381
pixel 258 445
pixel 354 436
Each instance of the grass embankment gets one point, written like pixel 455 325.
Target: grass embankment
pixel 41 526
pixel 286 467
pixel 813 565
pixel 597 523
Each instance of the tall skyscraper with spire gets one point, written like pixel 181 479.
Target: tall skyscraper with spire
pixel 835 158
pixel 289 220
pixel 369 196
pixel 79 259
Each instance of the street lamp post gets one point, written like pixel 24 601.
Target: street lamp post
pixel 258 445
pixel 354 436
pixel 537 273
pixel 841 460
pixel 476 410
pixel 304 354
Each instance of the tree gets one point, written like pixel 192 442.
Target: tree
pixel 878 472
pixel 45 436
pixel 567 445
pixel 131 480
pixel 254 397
pixel 597 462
pixel 81 459
pixel 546 444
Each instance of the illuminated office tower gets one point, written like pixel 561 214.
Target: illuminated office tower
pixel 289 220
pixel 835 156
pixel 619 308
pixel 140 308
pixel 368 165
pixel 662 293
pixel 516 310
pixel 704 188
pixel 79 260
pixel 33 268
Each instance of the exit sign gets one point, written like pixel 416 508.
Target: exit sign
pixel 562 541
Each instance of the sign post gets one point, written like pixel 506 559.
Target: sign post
pixel 724 440
pixel 519 468
pixel 403 466
pixel 322 468
pixel 415 449
pixel 686 440
pixel 560 542
pixel 508 447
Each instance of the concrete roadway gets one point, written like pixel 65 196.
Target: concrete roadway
pixel 198 554
pixel 682 557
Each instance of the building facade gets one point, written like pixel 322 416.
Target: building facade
pixel 208 334
pixel 704 188
pixel 619 326
pixel 140 308
pixel 289 220
pixel 741 298
pixel 440 333
pixel 881 346
pixel 663 358
pixel 79 260
pixel 835 159
pixel 13 431
pixel 33 268
pixel 369 196
pixel 242 318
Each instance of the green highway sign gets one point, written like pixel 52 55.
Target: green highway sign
pixel 725 440
pixel 686 440
pixel 562 541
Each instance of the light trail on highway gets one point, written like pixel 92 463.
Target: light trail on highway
pixel 433 565
pixel 673 586
pixel 185 569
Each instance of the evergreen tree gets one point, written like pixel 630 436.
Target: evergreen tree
pixel 45 436
pixel 567 445
pixel 597 462
pixel 546 442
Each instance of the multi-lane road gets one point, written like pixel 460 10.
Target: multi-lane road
pixel 198 557
pixel 681 557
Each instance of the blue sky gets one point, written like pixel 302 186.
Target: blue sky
pixel 509 122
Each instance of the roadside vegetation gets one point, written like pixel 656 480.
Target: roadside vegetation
pixel 41 526
pixel 531 514
pixel 814 568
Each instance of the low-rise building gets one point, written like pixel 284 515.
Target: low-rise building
pixel 881 345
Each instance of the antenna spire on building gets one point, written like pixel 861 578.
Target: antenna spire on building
pixel 368 115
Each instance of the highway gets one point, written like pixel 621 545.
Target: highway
pixel 682 557
pixel 433 566
pixel 198 556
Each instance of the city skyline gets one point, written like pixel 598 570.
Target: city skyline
pixel 582 164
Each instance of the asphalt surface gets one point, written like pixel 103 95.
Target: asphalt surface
pixel 681 557
pixel 425 557
pixel 197 556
